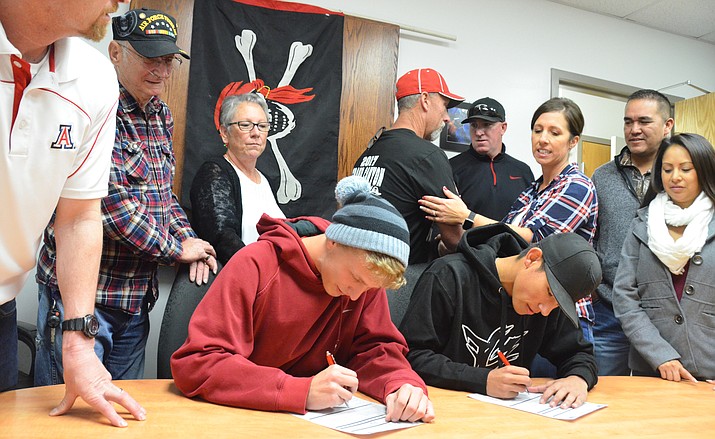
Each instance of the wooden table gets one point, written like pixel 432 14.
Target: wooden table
pixel 637 407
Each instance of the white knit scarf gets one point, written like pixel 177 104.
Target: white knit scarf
pixel 662 212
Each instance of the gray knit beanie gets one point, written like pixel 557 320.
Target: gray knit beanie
pixel 368 222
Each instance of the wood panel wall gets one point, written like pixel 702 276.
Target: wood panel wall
pixel 370 53
pixel 695 115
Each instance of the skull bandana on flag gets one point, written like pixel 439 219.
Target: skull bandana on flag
pixel 292 54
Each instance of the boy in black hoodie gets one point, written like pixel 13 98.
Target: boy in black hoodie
pixel 498 293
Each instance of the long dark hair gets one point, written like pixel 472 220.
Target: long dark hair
pixel 702 155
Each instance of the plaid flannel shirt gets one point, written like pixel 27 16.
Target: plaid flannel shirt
pixel 143 222
pixel 641 182
pixel 567 204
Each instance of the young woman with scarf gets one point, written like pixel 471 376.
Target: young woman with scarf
pixel 664 291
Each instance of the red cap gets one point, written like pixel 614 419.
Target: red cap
pixel 425 80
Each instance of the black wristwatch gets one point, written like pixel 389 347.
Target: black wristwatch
pixel 88 324
pixel 469 222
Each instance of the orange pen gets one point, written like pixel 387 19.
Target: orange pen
pixel 503 359
pixel 331 361
pixel 330 358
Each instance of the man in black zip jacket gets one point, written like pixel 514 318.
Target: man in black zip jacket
pixel 489 180
pixel 498 293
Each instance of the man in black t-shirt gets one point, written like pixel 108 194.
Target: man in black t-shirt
pixel 403 165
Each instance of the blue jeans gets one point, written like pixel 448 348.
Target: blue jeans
pixel 119 344
pixel 8 345
pixel 541 367
pixel 610 343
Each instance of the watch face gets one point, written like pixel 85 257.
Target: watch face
pixel 91 325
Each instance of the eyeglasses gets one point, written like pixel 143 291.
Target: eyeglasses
pixel 245 125
pixel 171 62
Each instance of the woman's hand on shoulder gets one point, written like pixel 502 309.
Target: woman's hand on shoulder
pixel 450 210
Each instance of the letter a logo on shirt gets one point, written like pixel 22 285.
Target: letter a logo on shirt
pixel 64 140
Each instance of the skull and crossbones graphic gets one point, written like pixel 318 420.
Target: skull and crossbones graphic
pixel 282 118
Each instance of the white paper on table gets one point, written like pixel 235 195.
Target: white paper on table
pixel 529 402
pixel 361 417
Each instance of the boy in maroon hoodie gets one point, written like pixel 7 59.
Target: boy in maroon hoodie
pixel 259 337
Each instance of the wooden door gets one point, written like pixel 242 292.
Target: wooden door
pixel 370 51
pixel 696 115
pixel 594 154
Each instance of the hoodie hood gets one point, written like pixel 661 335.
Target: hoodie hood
pixel 491 241
pixel 482 245
pixel 291 228
pixel 285 234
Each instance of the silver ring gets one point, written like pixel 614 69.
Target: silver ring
pixel 121 390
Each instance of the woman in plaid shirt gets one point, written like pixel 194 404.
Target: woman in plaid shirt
pixel 562 200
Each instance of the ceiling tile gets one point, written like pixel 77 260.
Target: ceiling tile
pixel 618 8
pixel 692 18
pixel 709 37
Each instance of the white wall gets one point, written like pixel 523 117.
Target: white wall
pixel 599 112
pixel 609 123
pixel 506 49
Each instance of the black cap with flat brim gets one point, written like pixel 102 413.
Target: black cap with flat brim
pixel 573 270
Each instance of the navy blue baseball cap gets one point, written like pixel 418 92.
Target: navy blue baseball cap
pixel 150 32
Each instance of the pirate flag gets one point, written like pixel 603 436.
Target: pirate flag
pixel 292 54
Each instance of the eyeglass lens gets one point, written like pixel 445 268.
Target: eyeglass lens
pixel 245 125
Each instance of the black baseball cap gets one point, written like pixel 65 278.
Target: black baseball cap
pixel 486 109
pixel 150 32
pixel 573 270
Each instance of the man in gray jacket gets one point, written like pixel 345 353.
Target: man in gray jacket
pixel 621 185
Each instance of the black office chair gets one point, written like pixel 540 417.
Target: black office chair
pixel 400 298
pixel 26 333
pixel 183 299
